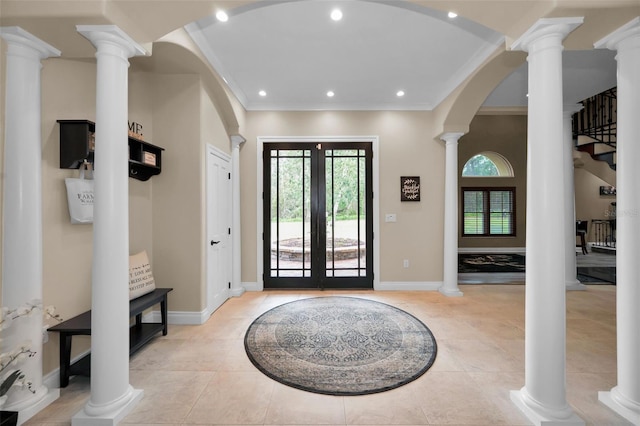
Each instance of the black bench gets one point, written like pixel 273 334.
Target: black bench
pixel 139 334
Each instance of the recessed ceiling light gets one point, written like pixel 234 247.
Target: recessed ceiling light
pixel 336 14
pixel 222 16
pixel 262 93
pixel 400 93
pixel 330 93
pixel 452 15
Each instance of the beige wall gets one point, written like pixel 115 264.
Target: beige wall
pixel 506 135
pixel 166 212
pixel 406 148
pixel 212 128
pixel 177 204
pixel 68 92
pixel 140 208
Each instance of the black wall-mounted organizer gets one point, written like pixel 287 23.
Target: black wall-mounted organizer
pixel 77 143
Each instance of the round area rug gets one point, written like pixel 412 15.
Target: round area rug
pixel 340 345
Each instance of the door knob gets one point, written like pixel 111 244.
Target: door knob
pixel 214 242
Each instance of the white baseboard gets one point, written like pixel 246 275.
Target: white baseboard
pixel 52 380
pixel 409 285
pixel 179 317
pixel 388 285
pixel 497 250
pixel 251 286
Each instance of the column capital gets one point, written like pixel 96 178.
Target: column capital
pixel 560 27
pixel 613 40
pixel 16 36
pixel 237 140
pixel 99 35
pixel 451 137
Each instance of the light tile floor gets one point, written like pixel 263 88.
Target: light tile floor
pixel 200 375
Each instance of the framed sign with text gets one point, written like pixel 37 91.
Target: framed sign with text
pixel 409 188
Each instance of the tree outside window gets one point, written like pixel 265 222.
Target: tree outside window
pixel 487 164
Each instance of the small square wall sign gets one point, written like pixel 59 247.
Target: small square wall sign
pixel 409 188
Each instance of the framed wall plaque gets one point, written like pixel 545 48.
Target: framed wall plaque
pixel 409 188
pixel 608 190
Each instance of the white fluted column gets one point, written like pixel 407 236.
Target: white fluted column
pixel 450 279
pixel 112 397
pixel 22 209
pixel 543 397
pixel 624 398
pixel 236 234
pixel 570 265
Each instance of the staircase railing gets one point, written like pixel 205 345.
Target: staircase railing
pixel 604 232
pixel 598 118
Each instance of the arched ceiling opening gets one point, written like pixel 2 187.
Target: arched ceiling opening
pixel 295 53
pixel 379 47
pixel 172 55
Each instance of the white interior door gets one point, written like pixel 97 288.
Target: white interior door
pixel 218 228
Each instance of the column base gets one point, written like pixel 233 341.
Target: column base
pixel 628 409
pixel 542 416
pixel 450 292
pixel 575 285
pixel 237 291
pixel 32 406
pixel 111 418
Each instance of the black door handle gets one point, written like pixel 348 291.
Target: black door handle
pixel 214 242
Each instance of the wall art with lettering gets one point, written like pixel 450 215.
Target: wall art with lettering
pixel 409 188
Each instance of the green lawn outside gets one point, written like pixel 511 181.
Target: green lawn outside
pixel 499 224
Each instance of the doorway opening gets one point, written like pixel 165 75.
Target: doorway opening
pixel 317 215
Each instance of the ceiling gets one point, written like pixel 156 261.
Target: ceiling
pixel 296 53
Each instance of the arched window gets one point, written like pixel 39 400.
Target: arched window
pixel 487 164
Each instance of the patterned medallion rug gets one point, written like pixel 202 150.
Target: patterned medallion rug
pixel 340 345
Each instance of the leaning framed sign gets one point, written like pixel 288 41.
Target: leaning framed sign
pixel 409 188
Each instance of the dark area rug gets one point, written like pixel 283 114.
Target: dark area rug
pixel 476 262
pixel 340 345
pixel 597 275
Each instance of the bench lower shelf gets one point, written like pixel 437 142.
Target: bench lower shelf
pixel 139 333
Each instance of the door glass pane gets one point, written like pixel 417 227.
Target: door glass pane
pixel 345 212
pixel 290 213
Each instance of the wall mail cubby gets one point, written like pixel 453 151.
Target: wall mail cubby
pixel 77 144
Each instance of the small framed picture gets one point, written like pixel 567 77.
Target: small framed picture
pixel 607 190
pixel 149 158
pixel 409 188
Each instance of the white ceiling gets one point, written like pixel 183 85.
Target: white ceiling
pixel 295 52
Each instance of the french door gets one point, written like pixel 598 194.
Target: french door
pixel 318 222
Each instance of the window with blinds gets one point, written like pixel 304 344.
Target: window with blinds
pixel 488 211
